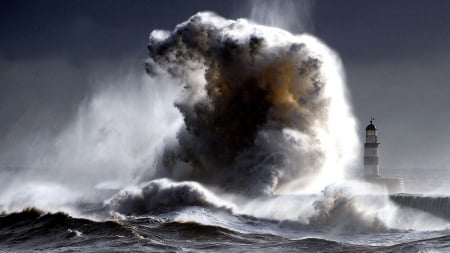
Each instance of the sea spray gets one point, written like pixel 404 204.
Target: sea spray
pixel 264 110
pixel 258 110
pixel 293 16
pixel 111 142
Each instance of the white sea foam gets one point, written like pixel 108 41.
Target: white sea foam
pixel 163 194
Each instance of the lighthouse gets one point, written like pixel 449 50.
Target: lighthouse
pixel 371 173
pixel 371 168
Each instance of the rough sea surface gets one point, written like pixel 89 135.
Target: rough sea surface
pixel 33 230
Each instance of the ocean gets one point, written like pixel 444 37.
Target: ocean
pixel 198 229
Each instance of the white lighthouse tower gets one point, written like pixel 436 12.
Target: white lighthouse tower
pixel 371 168
pixel 371 171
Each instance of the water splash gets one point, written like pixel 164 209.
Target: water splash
pixel 111 142
pixel 264 110
pixel 293 16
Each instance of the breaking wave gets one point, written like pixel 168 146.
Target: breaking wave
pixel 163 194
pixel 339 210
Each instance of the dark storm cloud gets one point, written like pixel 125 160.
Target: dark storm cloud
pixel 88 29
pixel 380 30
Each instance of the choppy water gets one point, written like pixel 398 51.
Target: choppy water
pixel 197 229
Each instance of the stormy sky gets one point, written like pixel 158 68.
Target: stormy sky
pixel 396 56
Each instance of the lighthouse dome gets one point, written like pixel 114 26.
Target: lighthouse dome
pixel 371 126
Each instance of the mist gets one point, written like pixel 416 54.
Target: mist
pixel 110 139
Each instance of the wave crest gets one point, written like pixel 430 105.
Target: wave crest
pixel 163 194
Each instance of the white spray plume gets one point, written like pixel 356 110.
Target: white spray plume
pixel 111 142
pixel 264 110
pixel 294 16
